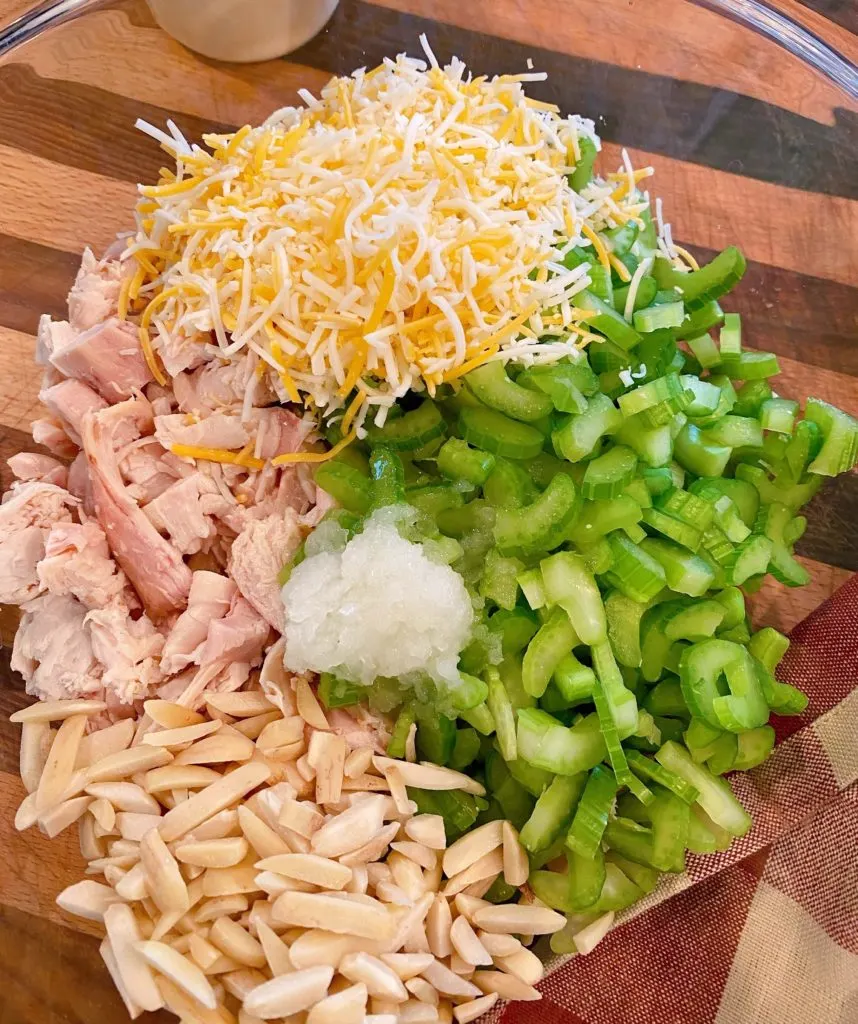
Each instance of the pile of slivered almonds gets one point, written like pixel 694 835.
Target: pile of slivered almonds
pixel 255 869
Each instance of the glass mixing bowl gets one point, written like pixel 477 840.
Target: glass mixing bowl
pixel 751 124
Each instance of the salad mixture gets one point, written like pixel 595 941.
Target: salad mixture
pixel 384 594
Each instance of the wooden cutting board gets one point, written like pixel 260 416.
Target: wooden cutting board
pixel 69 160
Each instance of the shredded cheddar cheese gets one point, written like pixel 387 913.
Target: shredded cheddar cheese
pixel 406 226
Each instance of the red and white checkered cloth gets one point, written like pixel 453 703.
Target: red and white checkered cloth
pixel 767 932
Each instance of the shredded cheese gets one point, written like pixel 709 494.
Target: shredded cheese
pixel 385 238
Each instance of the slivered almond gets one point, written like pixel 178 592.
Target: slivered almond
pixel 164 879
pixel 91 847
pixel 411 743
pixel 427 829
pixel 202 952
pixel 366 784
pixel 526 966
pixel 305 769
pixel 59 763
pixel 186 1008
pixel 469 905
pixel 274 885
pixel 275 949
pixel 357 762
pixel 252 727
pixel 110 740
pixel 471 847
pixel 216 797
pixel 507 986
pixel 372 850
pixel 430 776
pixel 416 852
pixel 308 707
pixel 448 983
pixel 212 909
pixel 124 763
pixel 218 826
pixel 281 755
pixel 104 813
pixel 345 1007
pixel 240 704
pixel 479 889
pixel 410 924
pixel 515 919
pixel 164 925
pixel 281 732
pixel 407 874
pixel 415 1012
pixel 135 826
pixel 137 978
pixel 176 776
pixel 499 944
pixel 264 840
pixel 302 817
pixel 466 1012
pixel 230 881
pixel 422 990
pixel 389 892
pixel 178 969
pixel 236 942
pixel 432 877
pixel 289 993
pixel 133 885
pixel 308 867
pixel 109 959
pixel 57 710
pixel 319 947
pixel 592 934
pixel 243 981
pixel 168 715
pixel 467 944
pixel 213 853
pixel 180 737
pixel 381 981
pixel 487 867
pixel 36 740
pixel 312 910
pixel 125 796
pixel 59 817
pixel 327 755
pixel 398 792
pixel 226 745
pixel 515 863
pixel 350 830
pixel 407 965
pixel 439 922
pixel 87 899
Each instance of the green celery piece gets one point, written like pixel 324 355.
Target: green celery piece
pixel 574 681
pixel 493 388
pixel 552 642
pixel 569 585
pixel 411 431
pixel 686 572
pixel 702 666
pixel 716 798
pixel 624 627
pixel 458 461
pixel 704 836
pixel 578 434
pixel 465 750
pixel 586 879
pixel 544 742
pixel 491 431
pixel 591 815
pixel 552 812
pixel 839 452
pixel 630 840
pixel 644 877
pixel 503 714
pixel 655 772
pixel 406 718
pixel 542 525
pixel 669 816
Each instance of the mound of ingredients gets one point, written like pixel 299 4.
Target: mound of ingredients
pixel 384 592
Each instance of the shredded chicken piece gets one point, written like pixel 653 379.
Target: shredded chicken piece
pixel 258 554
pixel 107 357
pixel 70 401
pixel 77 562
pixel 210 598
pixel 94 296
pixel 220 430
pixel 34 466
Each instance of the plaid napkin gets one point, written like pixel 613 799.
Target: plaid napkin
pixel 767 932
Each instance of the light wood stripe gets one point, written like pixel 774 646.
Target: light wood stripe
pixel 695 54
pixel 59 206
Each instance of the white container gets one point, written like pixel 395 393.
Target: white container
pixel 242 30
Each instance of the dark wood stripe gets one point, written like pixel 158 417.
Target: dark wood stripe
pixel 685 120
pixel 103 139
pixel 54 975
pixel 34 279
pixel 12 699
pixel 842 12
pixel 809 319
pixel 832 524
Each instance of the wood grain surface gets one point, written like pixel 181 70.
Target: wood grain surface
pixel 749 146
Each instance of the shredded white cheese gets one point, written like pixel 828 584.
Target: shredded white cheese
pixel 394 234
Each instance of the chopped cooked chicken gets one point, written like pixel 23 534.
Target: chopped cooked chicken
pixel 107 357
pixel 360 727
pixel 34 466
pixel 147 472
pixel 279 431
pixel 77 562
pixel 184 511
pixel 217 386
pixel 220 430
pixel 153 564
pixel 210 598
pixel 50 434
pixel 52 335
pixel 33 504
pixel 19 557
pixel 258 554
pixel 70 401
pixel 53 650
pixel 94 296
pixel 129 650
